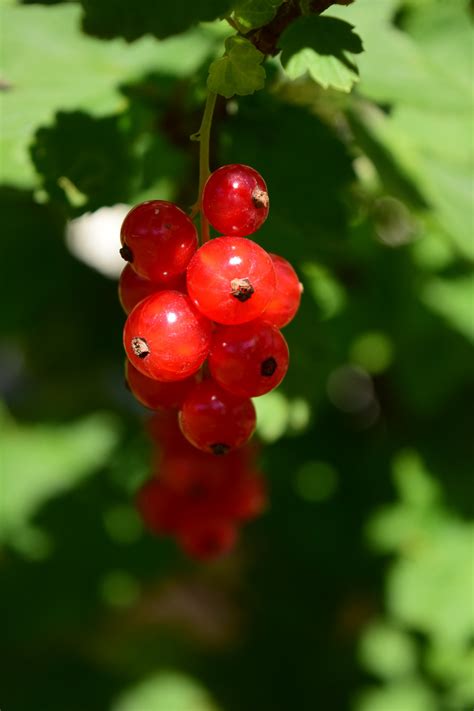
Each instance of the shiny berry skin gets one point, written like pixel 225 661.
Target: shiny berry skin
pixel 248 360
pixel 231 280
pixel 156 394
pixel 158 240
pixel 286 299
pixel 133 288
pixel 207 539
pixel 165 337
pixel 216 421
pixel 235 200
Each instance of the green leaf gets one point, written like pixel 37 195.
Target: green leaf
pixel 168 691
pixel 387 651
pixel 75 72
pixel 122 18
pixel 425 73
pixel 84 166
pixel 453 299
pixel 393 66
pixel 429 587
pixel 239 71
pixel 323 47
pixel 415 486
pixel 277 415
pixel 250 14
pixel 42 461
pixel 407 695
pixel 327 292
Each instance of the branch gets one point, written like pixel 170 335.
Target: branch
pixel 266 38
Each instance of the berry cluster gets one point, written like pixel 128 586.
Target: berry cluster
pixel 197 497
pixel 202 333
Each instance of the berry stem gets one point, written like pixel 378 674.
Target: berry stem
pixel 203 136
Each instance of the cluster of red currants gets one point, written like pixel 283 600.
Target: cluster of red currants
pixel 202 335
pixel 196 497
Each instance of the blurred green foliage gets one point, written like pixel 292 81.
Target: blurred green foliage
pixel 355 589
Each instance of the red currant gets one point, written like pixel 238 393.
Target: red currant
pixel 165 337
pixel 133 288
pixel 159 507
pixel 248 360
pixel 158 239
pixel 207 539
pixel 216 421
pixel 156 394
pixel 231 280
pixel 247 497
pixel 286 299
pixel 235 200
pixel 163 427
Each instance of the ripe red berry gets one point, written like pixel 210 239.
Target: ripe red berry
pixel 216 421
pixel 159 507
pixel 156 394
pixel 247 497
pixel 248 360
pixel 286 299
pixel 235 200
pixel 165 337
pixel 207 539
pixel 158 239
pixel 193 474
pixel 133 288
pixel 231 280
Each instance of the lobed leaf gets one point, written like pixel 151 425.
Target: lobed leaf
pixel 323 47
pixel 239 71
pixel 75 73
pixel 251 14
pixel 122 18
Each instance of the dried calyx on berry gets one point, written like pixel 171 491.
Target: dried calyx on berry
pixel 231 280
pixel 241 289
pixel 140 347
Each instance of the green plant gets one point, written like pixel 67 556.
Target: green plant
pixel 367 159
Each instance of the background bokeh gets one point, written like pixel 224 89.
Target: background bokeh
pixel 355 589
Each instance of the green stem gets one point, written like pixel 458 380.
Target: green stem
pixel 203 136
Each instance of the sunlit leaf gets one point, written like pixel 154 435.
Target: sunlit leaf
pixel 239 71
pixel 249 14
pixel 324 47
pixel 43 461
pixel 168 691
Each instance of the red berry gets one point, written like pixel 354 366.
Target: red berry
pixel 193 474
pixel 235 200
pixel 231 280
pixel 216 421
pixel 286 299
pixel 158 240
pixel 207 539
pixel 247 497
pixel 156 394
pixel 248 360
pixel 159 507
pixel 163 427
pixel 133 288
pixel 165 337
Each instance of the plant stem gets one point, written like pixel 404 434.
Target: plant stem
pixel 203 136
